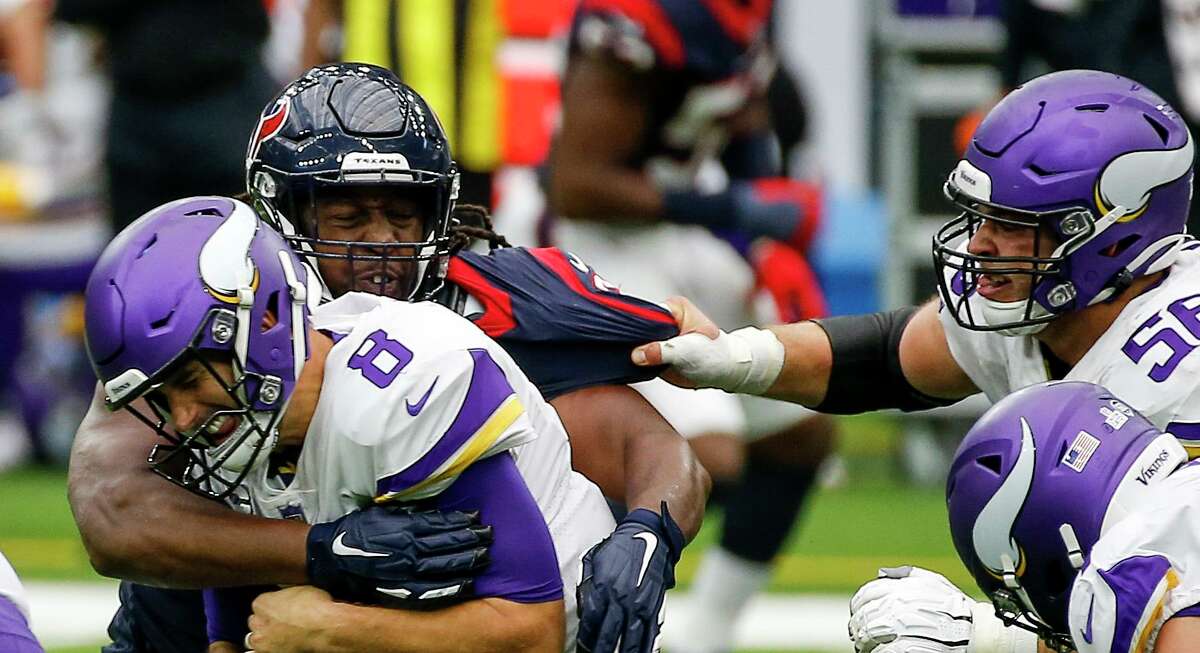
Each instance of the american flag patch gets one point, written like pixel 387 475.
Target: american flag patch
pixel 1080 451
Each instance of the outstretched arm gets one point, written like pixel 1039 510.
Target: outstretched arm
pixel 824 364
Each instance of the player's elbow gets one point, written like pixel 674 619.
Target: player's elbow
pixel 116 522
pixel 111 525
pixel 528 627
pixel 109 537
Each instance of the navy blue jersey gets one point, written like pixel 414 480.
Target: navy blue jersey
pixel 564 325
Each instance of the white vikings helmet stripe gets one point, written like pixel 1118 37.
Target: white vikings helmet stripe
pixel 991 535
pixel 1128 179
pixel 225 264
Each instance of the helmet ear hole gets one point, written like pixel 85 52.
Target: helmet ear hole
pixel 1119 247
pixel 270 316
pixel 1057 581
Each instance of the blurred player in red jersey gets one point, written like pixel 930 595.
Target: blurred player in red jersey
pixel 667 176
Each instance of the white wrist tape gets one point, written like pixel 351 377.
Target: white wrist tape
pixel 990 635
pixel 747 360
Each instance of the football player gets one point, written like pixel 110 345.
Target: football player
pixel 1076 517
pixel 1069 261
pixel 15 635
pixel 202 310
pixel 561 322
pixel 665 175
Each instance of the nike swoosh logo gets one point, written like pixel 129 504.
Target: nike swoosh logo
pixel 651 541
pixel 412 408
pixel 340 548
pixel 1087 632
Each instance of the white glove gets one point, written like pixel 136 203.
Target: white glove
pixel 913 610
pixel 747 360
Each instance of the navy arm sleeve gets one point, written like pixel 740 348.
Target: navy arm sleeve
pixel 564 325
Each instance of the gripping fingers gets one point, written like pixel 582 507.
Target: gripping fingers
pixel 611 629
pixel 865 636
pixel 460 563
pixel 454 540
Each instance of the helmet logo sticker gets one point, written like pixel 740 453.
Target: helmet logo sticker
pixel 991 536
pixel 1116 416
pixel 1128 179
pixel 225 263
pixel 972 181
pixel 269 124
pixel 374 161
pixel 1080 451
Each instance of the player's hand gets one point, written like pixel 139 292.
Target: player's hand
pixel 289 620
pixel 389 556
pixel 747 360
pixel 625 580
pixel 784 275
pixel 908 609
pixel 690 320
pixel 778 207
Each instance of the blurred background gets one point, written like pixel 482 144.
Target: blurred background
pixel 103 116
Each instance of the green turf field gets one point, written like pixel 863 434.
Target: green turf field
pixel 872 519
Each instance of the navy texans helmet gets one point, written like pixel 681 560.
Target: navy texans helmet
pixel 348 126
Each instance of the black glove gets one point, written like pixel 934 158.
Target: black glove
pixel 625 579
pixel 389 556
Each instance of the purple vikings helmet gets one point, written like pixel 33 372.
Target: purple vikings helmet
pixel 1038 479
pixel 1102 162
pixel 192 278
pixel 349 125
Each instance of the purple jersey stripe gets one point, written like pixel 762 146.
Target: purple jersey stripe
pixel 1184 430
pixel 488 390
pixel 1133 582
pixel 523 565
pixel 1190 611
pixel 15 636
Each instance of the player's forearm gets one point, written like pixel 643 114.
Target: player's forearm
pixel 475 626
pixel 603 193
pixel 157 535
pixel 808 360
pixel 660 467
pixel 138 526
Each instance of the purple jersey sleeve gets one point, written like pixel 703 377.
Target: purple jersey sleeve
pixel 15 636
pixel 563 324
pixel 226 610
pixel 1139 584
pixel 523 567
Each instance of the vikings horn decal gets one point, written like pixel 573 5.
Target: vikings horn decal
pixel 225 264
pixel 1128 179
pixel 992 534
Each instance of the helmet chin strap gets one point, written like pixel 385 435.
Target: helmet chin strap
pixel 995 312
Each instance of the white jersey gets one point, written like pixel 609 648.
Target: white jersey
pixel 1146 357
pixel 1144 570
pixel 412 395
